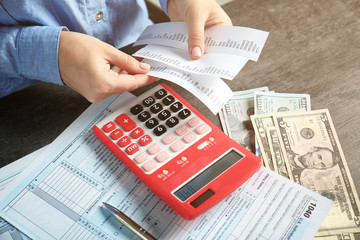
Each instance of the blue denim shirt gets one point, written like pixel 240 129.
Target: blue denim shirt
pixel 30 29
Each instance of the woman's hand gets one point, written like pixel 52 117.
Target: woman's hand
pixel 85 66
pixel 198 15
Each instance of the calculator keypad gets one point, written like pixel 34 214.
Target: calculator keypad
pixel 155 129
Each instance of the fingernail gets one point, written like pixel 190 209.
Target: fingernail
pixel 144 66
pixel 196 51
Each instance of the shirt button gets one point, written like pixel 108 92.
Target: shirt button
pixel 99 15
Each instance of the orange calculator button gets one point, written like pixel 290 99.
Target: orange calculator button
pixel 133 148
pixel 124 141
pixel 125 122
pixel 145 140
pixel 109 127
pixel 116 134
pixel 138 132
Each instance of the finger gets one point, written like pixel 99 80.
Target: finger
pixel 126 82
pixel 116 69
pixel 126 62
pixel 196 37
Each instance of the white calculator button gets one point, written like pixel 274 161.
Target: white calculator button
pixel 202 128
pixel 149 165
pixel 141 157
pixel 181 130
pixel 189 137
pixel 193 122
pixel 154 149
pixel 169 138
pixel 177 146
pixel 162 156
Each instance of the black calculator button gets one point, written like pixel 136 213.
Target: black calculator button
pixel 184 113
pixel 157 107
pixel 144 116
pixel 168 100
pixel 171 122
pixel 164 115
pixel 136 109
pixel 148 101
pixel 176 107
pixel 159 130
pixel 151 123
pixel 160 93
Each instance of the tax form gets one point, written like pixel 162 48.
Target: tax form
pixel 61 198
pixel 228 48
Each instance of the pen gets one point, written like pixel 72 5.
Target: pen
pixel 129 223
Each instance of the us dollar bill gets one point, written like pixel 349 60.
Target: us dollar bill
pixel 260 124
pixel 314 159
pixel 276 153
pixel 270 102
pixel 237 120
pixel 345 236
pixel 267 103
pixel 235 117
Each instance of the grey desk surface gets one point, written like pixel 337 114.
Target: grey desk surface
pixel 313 47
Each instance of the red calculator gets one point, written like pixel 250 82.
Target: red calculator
pixel 180 155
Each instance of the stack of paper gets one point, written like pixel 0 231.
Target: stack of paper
pixel 228 48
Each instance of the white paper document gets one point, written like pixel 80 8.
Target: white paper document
pixel 225 66
pixel 212 91
pixel 228 48
pixel 62 197
pixel 242 41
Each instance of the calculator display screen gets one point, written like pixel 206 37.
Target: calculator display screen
pixel 208 175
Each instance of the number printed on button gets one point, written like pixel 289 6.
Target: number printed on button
pixel 155 129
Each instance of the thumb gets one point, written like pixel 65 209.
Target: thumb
pixel 196 38
pixel 126 62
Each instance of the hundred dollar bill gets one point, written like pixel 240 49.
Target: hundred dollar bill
pixel 234 117
pixel 314 159
pixel 268 103
pixel 276 154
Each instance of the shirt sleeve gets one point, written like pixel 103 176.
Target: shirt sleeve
pixel 28 54
pixel 163 4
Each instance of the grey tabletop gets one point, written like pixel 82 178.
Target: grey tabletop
pixel 313 47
